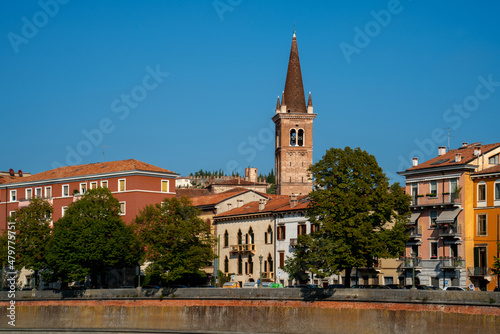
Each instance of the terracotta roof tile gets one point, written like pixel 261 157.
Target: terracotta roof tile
pixel 235 181
pixel 217 198
pixel 448 159
pixel 253 207
pixel 302 204
pixel 191 192
pixel 491 170
pixel 294 90
pixel 91 169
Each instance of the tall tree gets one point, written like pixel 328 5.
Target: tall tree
pixel 175 240
pixel 92 238
pixel 33 236
pixel 360 218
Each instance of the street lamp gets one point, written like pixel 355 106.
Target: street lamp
pixel 260 277
pixel 413 259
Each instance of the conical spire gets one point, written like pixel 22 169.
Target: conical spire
pixel 278 105
pixel 309 101
pixel 294 89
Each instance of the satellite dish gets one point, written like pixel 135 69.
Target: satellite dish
pixel 20 172
pixel 11 172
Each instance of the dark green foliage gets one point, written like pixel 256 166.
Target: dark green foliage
pixel 33 235
pixel 361 219
pixel 175 240
pixel 92 238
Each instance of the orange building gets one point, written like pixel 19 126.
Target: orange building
pixel 134 183
pixel 486 228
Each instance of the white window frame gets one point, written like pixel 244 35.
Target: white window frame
pixel 482 202
pixel 104 183
pixel 485 225
pixel 124 185
pixel 13 196
pixel 83 188
pixel 62 190
pixel 493 160
pixel 124 211
pixel 38 190
pixel 451 191
pixel 29 193
pixel 496 190
pixel 93 183
pixel 430 218
pixel 168 186
pixel 63 210
pixel 430 249
pixel 11 213
pixel 435 183
pixel 48 190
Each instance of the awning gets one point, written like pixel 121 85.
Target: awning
pixel 448 216
pixel 414 217
pixel 413 243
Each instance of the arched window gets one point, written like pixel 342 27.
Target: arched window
pixel 226 265
pixel 250 264
pixel 240 237
pixel 250 233
pixel 300 138
pixel 270 263
pixel 293 137
pixel 270 234
pixel 226 239
pixel 240 265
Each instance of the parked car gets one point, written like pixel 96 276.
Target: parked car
pixel 336 286
pixel 266 284
pixel 276 285
pixel 394 286
pixel 453 288
pixel 231 285
pixel 250 285
pixel 304 286
pixel 419 287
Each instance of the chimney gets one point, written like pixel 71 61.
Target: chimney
pixel 477 151
pixel 262 204
pixel 293 200
pixel 458 157
pixel 415 162
pixel 465 144
pixel 442 150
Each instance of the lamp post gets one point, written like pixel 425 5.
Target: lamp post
pixel 260 277
pixel 413 259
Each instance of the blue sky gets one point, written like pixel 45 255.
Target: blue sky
pixel 186 85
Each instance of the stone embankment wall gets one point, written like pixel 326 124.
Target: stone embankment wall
pixel 257 311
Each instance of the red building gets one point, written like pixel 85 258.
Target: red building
pixel 134 183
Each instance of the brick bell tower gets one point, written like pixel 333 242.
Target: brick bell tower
pixel 294 132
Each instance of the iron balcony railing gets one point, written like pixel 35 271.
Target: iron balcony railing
pixel 416 232
pixel 409 262
pixel 447 262
pixel 268 274
pixel 479 271
pixel 450 230
pixel 243 248
pixel 446 198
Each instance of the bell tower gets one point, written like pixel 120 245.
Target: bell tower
pixel 294 132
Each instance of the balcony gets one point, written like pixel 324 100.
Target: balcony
pixel 243 248
pixel 439 199
pixel 453 263
pixel 415 232
pixel 410 263
pixel 479 272
pixel 293 242
pixel 268 274
pixel 376 266
pixel 450 231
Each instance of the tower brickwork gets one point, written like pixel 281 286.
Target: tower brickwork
pixel 294 132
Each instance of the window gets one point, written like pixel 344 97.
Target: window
pixel 122 208
pixel 270 263
pixel 493 160
pixel 388 280
pixel 63 210
pixel 281 232
pixel 300 139
pixel 104 184
pixel 83 188
pixel 433 187
pixel 226 265
pixel 38 192
pixel 481 225
pixel 269 235
pixel 11 213
pixel 48 192
pixel 240 265
pixel 434 250
pixel 252 236
pixel 314 228
pixel 29 194
pixel 414 250
pixel 226 239
pixel 433 214
pixel 164 186
pixel 240 237
pixel 13 195
pixel 497 191
pixel 282 259
pixel 481 194
pixel 301 229
pixel 293 137
pixel 250 265
pixel 65 190
pixel 93 185
pixel 121 185
pixel 453 185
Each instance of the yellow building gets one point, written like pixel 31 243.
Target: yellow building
pixel 486 187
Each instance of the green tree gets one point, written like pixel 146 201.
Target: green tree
pixel 4 242
pixel 360 217
pixel 33 236
pixel 175 240
pixel 92 238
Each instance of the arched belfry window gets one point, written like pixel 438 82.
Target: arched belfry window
pixel 293 137
pixel 300 138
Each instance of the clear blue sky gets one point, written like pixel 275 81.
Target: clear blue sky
pixel 85 67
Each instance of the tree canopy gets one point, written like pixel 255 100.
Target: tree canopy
pixel 359 217
pixel 175 240
pixel 91 238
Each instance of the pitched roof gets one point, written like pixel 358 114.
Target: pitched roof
pixel 253 208
pixel 294 89
pixel 491 170
pixel 191 192
pixel 302 204
pixel 217 198
pixel 91 169
pixel 236 181
pixel 448 159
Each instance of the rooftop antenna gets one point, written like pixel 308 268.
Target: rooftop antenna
pixel 449 130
